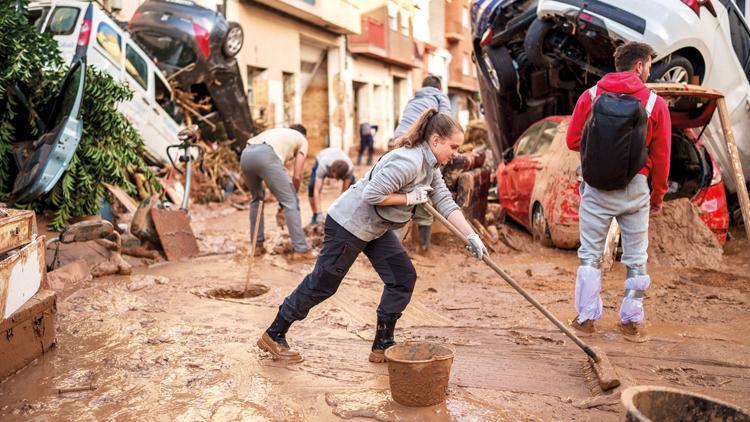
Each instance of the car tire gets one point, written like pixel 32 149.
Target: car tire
pixel 539 227
pixel 533 44
pixel 233 40
pixel 673 69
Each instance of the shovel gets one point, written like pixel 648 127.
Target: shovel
pixel 599 361
pixel 256 226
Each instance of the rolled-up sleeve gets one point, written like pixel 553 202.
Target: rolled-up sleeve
pixel 441 197
pixel 390 178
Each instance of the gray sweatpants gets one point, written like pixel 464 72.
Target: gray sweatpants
pixel 630 206
pixel 260 164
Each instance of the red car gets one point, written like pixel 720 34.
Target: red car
pixel 538 186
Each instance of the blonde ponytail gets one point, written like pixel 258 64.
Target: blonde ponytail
pixel 429 123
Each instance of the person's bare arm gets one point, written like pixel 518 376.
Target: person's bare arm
pixel 345 184
pixel 299 166
pixel 316 194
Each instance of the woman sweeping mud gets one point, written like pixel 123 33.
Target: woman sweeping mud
pixel 361 220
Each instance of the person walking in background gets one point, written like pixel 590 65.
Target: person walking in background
pixel 366 141
pixel 361 221
pixel 331 163
pixel 263 160
pixel 430 96
pixel 624 133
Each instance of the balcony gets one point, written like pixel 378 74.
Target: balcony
pixel 339 16
pixel 378 41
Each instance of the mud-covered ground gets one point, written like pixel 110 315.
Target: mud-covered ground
pixel 156 348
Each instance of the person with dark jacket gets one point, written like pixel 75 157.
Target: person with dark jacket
pixel 361 221
pixel 631 205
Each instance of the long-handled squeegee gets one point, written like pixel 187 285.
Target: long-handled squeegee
pixel 599 361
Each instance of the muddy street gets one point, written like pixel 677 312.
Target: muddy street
pixel 157 346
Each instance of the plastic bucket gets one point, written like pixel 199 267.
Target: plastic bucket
pixel 419 372
pixel 652 403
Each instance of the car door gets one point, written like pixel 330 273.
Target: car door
pixel 41 166
pixel 514 178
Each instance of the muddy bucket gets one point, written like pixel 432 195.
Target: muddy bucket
pixel 419 372
pixel 652 403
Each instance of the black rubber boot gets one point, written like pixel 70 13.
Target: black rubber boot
pixel 425 234
pixel 383 337
pixel 274 341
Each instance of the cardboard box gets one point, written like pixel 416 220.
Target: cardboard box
pixel 28 333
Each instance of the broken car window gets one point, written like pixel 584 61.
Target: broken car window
pixel 164 98
pixel 63 21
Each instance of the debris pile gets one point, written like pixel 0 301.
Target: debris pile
pixel 679 238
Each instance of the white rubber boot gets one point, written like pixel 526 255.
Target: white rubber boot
pixel 588 297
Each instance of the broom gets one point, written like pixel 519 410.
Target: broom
pixel 599 361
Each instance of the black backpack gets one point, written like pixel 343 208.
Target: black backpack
pixel 613 143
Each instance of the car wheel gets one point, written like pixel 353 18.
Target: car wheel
pixel 673 69
pixel 533 44
pixel 539 227
pixel 233 40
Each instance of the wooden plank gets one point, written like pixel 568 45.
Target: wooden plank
pixel 734 158
pixel 17 228
pixel 129 203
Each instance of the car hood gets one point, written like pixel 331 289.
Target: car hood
pixel 690 106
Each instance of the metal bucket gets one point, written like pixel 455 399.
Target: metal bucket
pixel 651 403
pixel 419 372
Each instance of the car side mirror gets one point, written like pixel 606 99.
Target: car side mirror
pixel 508 154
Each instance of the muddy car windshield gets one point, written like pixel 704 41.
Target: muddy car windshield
pixel 167 50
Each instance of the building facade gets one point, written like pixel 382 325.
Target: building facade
pixel 462 83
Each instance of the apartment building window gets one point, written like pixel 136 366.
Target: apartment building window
pixel 311 2
pixel 405 22
pixel 465 17
pixel 392 17
pixel 466 64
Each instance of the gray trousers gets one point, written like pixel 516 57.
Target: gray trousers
pixel 260 164
pixel 630 206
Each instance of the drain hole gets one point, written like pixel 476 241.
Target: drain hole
pixel 253 290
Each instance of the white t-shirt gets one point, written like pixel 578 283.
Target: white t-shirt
pixel 286 143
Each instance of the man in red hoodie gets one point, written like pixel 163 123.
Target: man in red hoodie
pixel 631 205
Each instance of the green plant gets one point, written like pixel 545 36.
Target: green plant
pixel 110 149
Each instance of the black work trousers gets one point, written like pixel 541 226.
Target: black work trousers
pixel 340 250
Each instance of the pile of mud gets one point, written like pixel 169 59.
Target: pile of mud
pixel 679 238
